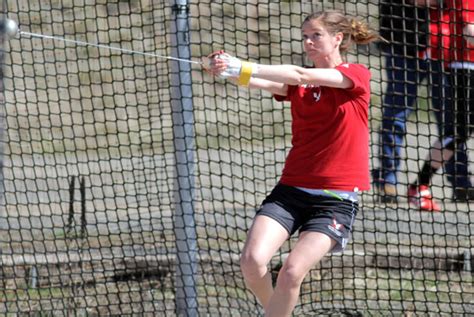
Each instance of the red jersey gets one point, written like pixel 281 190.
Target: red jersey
pixel 330 134
pixel 461 13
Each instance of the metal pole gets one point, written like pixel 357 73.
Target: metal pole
pixel 184 146
pixel 3 39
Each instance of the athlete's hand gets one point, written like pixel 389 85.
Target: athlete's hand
pixel 233 65
pixel 223 65
pixel 226 66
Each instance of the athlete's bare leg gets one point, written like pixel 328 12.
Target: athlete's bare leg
pixel 264 239
pixel 308 251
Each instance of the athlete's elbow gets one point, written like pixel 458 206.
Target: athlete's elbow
pixel 296 81
pixel 296 77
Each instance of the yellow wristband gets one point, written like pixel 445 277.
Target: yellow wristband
pixel 245 73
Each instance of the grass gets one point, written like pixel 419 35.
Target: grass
pixel 220 288
pixel 8 295
pixel 380 290
pixel 21 301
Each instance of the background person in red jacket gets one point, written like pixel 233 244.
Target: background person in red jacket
pixel 459 125
pixel 411 54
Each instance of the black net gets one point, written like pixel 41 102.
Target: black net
pixel 130 180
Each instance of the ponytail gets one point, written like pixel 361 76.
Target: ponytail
pixel 353 30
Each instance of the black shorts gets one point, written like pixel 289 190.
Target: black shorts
pixel 296 209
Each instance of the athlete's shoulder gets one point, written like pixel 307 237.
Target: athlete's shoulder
pixel 353 66
pixel 358 70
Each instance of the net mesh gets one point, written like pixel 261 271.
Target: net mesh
pixel 88 213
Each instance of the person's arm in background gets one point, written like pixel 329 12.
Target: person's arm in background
pixel 468 33
pixel 468 21
pixel 424 3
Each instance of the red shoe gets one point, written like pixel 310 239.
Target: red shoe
pixel 420 196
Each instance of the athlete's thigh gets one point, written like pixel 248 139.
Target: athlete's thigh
pixel 310 248
pixel 265 237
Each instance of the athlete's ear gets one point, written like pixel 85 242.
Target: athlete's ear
pixel 339 36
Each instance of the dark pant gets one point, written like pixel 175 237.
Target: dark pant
pixel 404 75
pixel 460 125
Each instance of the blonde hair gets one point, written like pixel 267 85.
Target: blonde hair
pixel 353 30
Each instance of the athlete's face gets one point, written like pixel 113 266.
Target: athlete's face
pixel 318 43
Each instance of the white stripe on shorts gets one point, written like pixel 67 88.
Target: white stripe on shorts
pixel 352 196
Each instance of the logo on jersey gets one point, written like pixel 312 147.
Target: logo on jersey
pixel 315 89
pixel 317 95
pixel 336 227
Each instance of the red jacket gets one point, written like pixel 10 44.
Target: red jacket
pixel 461 13
pixel 439 39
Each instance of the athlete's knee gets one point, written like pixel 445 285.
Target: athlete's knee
pixel 251 264
pixel 291 276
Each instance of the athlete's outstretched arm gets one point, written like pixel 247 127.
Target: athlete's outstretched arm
pixel 244 72
pixel 268 85
pixel 296 75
